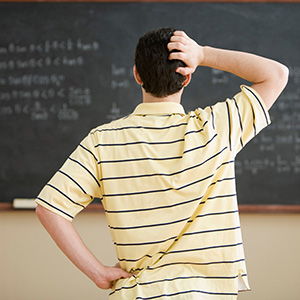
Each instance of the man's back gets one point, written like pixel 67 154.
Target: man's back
pixel 167 179
pixel 168 188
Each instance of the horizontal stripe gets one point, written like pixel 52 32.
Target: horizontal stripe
pixel 80 164
pixel 135 260
pixel 225 163
pixel 221 196
pixel 191 116
pixel 175 237
pixel 139 142
pixel 158 191
pixel 163 253
pixel 66 196
pixel 177 278
pixel 140 127
pixel 173 222
pixel 184 293
pixel 171 205
pixel 211 230
pixel 157 115
pixel 138 193
pixel 139 159
pixel 194 131
pixel 197 263
pixel 150 143
pixel 54 207
pixel 192 263
pixel 145 243
pixel 156 158
pixel 149 225
pixel 201 249
pixel 170 188
pixel 153 208
pixel 224 179
pixel 170 174
pixel 145 127
pixel 216 214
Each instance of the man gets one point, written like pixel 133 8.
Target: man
pixel 166 178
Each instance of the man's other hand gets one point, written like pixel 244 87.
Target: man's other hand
pixel 109 275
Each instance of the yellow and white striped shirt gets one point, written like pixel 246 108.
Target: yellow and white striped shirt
pixel 167 183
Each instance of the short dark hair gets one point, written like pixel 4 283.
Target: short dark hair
pixel 156 71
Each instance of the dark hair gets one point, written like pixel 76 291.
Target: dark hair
pixel 156 71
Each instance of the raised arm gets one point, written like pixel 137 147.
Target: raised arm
pixel 68 240
pixel 269 77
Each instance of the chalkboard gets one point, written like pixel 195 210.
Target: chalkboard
pixel 67 67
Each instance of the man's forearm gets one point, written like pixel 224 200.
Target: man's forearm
pixel 68 240
pixel 269 77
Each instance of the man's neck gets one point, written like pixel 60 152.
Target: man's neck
pixel 148 98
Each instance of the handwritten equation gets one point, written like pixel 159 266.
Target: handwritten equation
pixel 36 79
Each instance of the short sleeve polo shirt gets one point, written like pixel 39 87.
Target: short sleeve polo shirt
pixel 167 184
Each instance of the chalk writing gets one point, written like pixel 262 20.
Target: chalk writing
pixel 35 79
pixel 121 77
pixel 114 112
pixel 219 77
pixel 47 46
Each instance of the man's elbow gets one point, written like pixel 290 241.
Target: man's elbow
pixel 38 210
pixel 276 85
pixel 283 75
pixel 41 212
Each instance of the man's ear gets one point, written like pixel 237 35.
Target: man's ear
pixel 187 80
pixel 137 76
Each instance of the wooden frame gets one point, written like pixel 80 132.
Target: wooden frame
pixel 243 208
pixel 141 1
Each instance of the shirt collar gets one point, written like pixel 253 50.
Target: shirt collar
pixel 155 108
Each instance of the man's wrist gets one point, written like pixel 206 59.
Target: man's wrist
pixel 97 273
pixel 206 56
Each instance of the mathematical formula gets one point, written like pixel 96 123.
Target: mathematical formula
pixel 35 79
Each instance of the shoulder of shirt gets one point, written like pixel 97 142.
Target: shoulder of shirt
pixel 109 125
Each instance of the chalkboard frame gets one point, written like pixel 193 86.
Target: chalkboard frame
pixel 166 1
pixel 244 208
pixel 5 206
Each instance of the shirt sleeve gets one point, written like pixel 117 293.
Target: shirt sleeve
pixel 240 118
pixel 75 184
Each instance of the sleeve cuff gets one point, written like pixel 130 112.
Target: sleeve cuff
pixel 54 209
pixel 250 92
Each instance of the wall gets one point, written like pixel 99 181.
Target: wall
pixel 32 268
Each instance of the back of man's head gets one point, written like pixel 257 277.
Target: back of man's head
pixel 156 71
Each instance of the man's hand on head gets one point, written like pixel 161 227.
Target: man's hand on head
pixel 189 52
